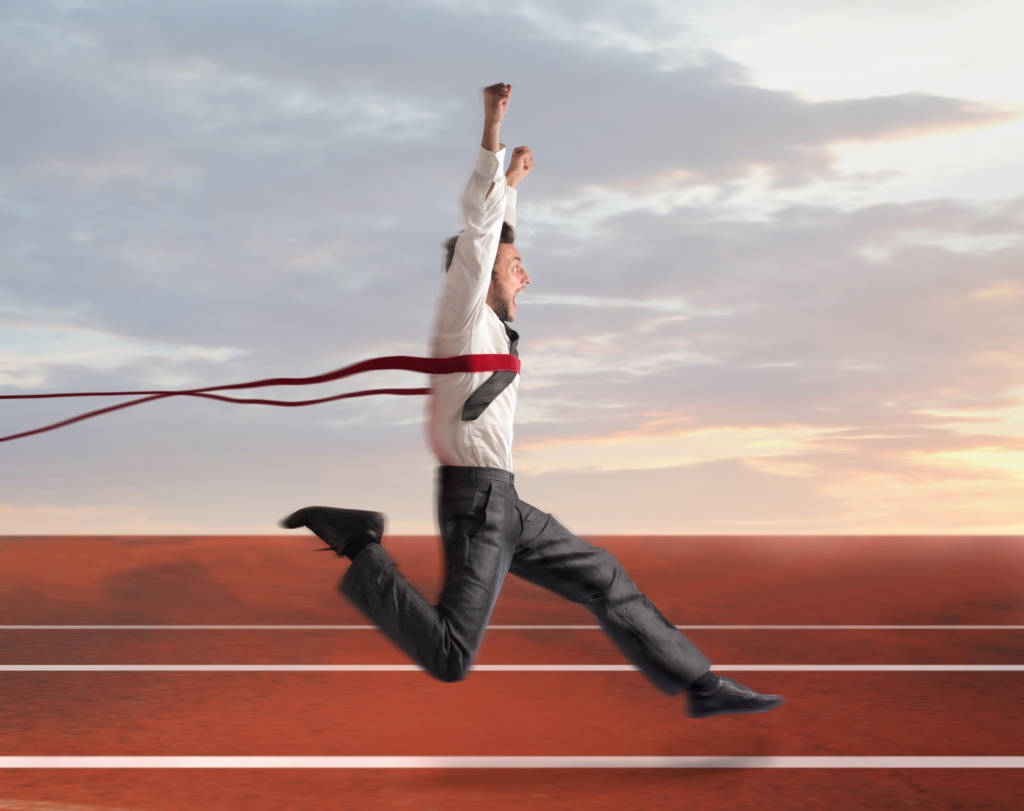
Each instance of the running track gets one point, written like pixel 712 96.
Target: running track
pixel 902 661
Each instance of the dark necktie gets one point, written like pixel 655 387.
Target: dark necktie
pixel 494 385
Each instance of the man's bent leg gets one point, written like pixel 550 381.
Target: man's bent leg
pixel 476 508
pixel 551 556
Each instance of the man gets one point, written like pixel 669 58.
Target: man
pixel 487 530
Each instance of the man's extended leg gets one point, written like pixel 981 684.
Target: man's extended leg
pixel 550 556
pixel 476 510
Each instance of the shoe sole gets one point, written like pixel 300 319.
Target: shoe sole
pixel 750 711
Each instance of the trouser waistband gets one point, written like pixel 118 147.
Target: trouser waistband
pixel 449 474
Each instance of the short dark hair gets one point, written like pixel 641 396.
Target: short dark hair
pixel 507 237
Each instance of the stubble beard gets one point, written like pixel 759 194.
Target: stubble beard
pixel 504 311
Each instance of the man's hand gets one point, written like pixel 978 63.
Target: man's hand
pixel 520 165
pixel 496 102
pixel 495 107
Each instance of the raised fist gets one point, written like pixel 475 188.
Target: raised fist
pixel 519 166
pixel 496 102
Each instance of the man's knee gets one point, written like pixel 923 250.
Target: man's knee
pixel 451 669
pixel 450 675
pixel 452 659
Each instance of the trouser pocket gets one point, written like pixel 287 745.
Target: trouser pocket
pixel 463 516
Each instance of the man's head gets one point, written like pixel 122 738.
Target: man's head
pixel 508 278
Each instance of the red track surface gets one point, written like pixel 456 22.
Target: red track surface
pixel 695 581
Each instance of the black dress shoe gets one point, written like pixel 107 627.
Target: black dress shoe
pixel 338 528
pixel 730 697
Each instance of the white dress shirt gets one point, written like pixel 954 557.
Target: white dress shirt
pixel 465 324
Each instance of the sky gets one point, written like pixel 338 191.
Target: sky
pixel 776 256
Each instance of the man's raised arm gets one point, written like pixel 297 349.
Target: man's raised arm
pixel 495 107
pixel 483 210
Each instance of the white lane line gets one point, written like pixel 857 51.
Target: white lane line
pixel 505 762
pixel 408 668
pixel 510 627
pixel 8 804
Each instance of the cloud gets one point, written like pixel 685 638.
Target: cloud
pixel 679 501
pixel 652 446
pixel 60 519
pixel 853 358
pixel 214 192
pixel 39 346
pixel 1001 290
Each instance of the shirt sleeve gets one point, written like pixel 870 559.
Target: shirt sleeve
pixel 511 200
pixel 485 204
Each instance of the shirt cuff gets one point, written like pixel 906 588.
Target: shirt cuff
pixel 490 164
pixel 510 205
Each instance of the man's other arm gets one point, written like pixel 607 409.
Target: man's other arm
pixel 519 166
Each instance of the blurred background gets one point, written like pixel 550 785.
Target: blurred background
pixel 776 255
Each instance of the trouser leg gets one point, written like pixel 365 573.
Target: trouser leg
pixel 551 556
pixel 476 510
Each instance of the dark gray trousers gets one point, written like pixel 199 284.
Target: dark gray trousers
pixel 488 531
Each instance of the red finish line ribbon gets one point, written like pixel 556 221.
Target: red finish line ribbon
pixel 435 366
